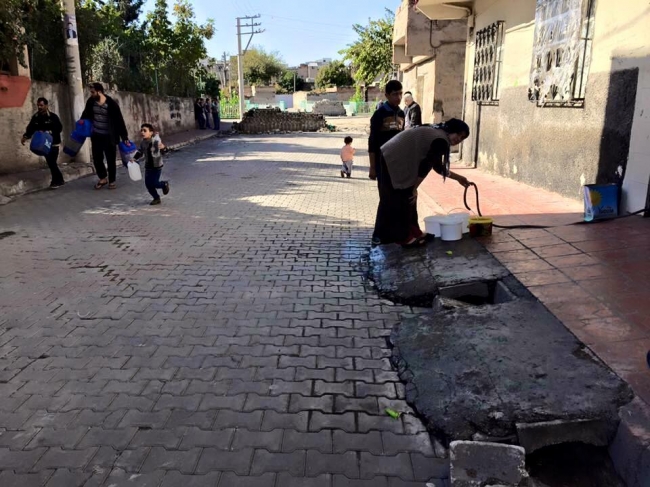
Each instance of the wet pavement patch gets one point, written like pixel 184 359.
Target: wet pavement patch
pixel 413 277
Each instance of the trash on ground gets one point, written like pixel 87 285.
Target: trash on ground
pixel 392 413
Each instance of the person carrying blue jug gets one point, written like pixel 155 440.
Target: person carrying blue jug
pixel 108 129
pixel 46 121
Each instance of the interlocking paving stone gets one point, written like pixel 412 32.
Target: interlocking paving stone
pixel 224 338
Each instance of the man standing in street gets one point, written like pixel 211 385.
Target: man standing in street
pixel 412 112
pixel 207 113
pixel 108 129
pixel 385 123
pixel 46 121
pixel 199 116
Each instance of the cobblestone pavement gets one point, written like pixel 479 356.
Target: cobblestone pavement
pixel 223 338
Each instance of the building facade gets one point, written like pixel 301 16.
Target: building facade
pixel 431 57
pixel 557 92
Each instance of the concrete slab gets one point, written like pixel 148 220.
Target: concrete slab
pixel 412 277
pixel 479 464
pixel 484 369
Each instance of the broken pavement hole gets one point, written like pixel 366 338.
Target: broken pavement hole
pixel 6 234
pixel 574 465
pixel 475 294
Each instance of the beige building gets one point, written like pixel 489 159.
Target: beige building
pixel 557 92
pixel 309 71
pixel 431 57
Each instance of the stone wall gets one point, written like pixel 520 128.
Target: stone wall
pixel 265 120
pixel 330 108
pixel 168 114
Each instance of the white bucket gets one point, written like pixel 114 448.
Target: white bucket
pixel 451 229
pixel 465 216
pixel 135 173
pixel 432 224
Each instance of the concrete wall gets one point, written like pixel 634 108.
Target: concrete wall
pixel 563 148
pixel 169 114
pixel 287 99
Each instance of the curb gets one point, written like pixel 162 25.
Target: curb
pixel 18 184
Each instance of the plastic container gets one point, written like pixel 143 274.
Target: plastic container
pixel 41 143
pixel 135 173
pixel 601 201
pixel 74 144
pixel 83 128
pixel 480 226
pixel 127 150
pixel 465 216
pixel 451 228
pixel 432 224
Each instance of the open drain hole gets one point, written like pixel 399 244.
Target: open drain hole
pixel 473 294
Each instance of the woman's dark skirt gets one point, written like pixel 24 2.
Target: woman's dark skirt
pixel 397 215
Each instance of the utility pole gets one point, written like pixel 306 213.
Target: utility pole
pixel 240 54
pixel 73 67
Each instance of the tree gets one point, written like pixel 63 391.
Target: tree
pixel 105 62
pixel 189 50
pixel 286 82
pixel 212 87
pixel 30 23
pixel 334 74
pixel 372 54
pixel 261 67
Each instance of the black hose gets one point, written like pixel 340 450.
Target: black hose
pixel 515 227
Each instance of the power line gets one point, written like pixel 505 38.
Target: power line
pixel 306 21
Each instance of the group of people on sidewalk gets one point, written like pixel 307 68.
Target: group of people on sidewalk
pixel 402 152
pixel 108 130
pixel 207 111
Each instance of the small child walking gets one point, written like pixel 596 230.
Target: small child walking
pixel 151 151
pixel 347 157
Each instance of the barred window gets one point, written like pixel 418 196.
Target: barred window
pixel 561 51
pixel 488 57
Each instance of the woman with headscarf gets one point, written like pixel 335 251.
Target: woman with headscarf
pixel 406 160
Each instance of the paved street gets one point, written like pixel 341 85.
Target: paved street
pixel 224 338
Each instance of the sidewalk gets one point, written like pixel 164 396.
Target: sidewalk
pixel 13 185
pixel 594 278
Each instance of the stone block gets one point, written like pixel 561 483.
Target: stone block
pixel 478 464
pixel 533 436
pixel 630 449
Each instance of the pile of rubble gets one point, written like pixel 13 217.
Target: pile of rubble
pixel 269 120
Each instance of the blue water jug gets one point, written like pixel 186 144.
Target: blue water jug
pixel 74 144
pixel 41 143
pixel 127 150
pixel 83 128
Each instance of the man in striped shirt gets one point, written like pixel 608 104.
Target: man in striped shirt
pixel 108 129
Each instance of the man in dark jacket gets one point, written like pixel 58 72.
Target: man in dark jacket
pixel 385 123
pixel 108 129
pixel 412 111
pixel 199 114
pixel 46 121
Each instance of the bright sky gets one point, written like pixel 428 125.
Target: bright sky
pixel 300 30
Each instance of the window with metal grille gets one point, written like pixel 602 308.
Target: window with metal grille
pixel 487 63
pixel 561 52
